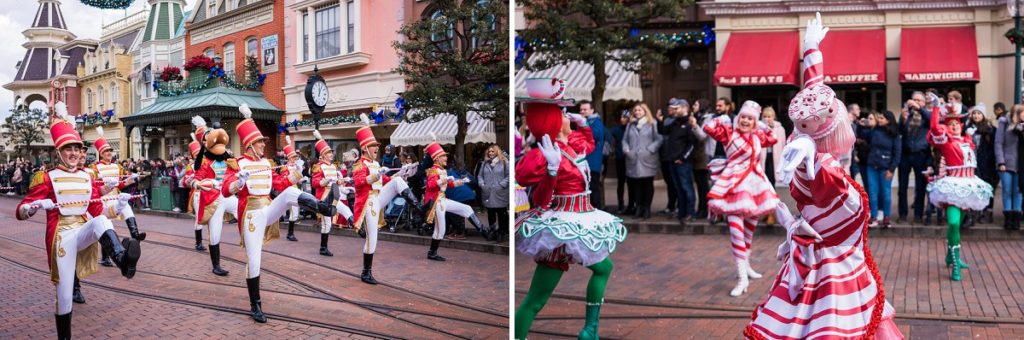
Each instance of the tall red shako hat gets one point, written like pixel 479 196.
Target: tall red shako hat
pixel 544 106
pixel 62 127
pixel 194 147
pixel 321 145
pixel 200 124
pixel 101 142
pixel 288 149
pixel 365 135
pixel 433 149
pixel 247 129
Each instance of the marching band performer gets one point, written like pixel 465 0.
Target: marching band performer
pixel 829 285
pixel 250 180
pixel 562 228
pixel 325 175
pixel 211 164
pixel 113 176
pixel 374 190
pixel 75 218
pixel 189 180
pixel 437 182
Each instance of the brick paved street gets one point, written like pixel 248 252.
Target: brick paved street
pixel 685 286
pixel 304 294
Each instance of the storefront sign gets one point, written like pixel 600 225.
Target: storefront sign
pixel 852 78
pixel 753 80
pixel 269 47
pixel 938 76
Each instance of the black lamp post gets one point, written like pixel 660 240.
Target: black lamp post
pixel 1013 6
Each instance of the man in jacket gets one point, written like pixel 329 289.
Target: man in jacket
pixel 663 152
pixel 679 135
pixel 916 155
pixel 596 158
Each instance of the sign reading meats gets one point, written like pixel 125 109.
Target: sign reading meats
pixel 852 78
pixel 750 80
pixel 938 76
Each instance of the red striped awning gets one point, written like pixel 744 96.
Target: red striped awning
pixel 938 54
pixel 854 57
pixel 759 58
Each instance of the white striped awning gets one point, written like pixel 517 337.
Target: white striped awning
pixel 480 130
pixel 579 79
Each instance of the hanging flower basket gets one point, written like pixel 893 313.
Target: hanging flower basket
pixel 200 62
pixel 1015 36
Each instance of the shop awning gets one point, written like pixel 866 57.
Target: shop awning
pixel 216 102
pixel 579 79
pixel 759 58
pixel 854 57
pixel 938 54
pixel 480 130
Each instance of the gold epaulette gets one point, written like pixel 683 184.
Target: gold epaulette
pixel 232 163
pixel 272 163
pixel 37 178
pixel 358 165
pixel 188 167
pixel 315 169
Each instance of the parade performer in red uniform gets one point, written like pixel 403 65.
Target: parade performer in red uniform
pixel 742 192
pixel 113 176
pixel 188 181
pixel 562 228
pixel 959 188
pixel 75 218
pixel 211 165
pixel 325 175
pixel 437 182
pixel 251 180
pixel 293 212
pixel 829 286
pixel 374 190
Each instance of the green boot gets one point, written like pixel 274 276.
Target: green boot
pixel 949 258
pixel 955 271
pixel 589 331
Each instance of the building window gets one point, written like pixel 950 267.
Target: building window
pixel 328 34
pixel 88 100
pixel 351 25
pixel 489 23
pixel 250 47
pixel 305 36
pixel 209 52
pixel 113 95
pixel 442 37
pixel 229 58
pixel 211 8
pixel 103 99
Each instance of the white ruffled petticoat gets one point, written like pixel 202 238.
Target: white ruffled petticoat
pixel 964 192
pixel 587 236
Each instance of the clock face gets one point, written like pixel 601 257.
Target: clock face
pixel 320 93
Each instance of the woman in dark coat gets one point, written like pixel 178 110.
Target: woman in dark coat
pixel 984 136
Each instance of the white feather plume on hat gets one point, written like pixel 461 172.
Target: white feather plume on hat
pixel 364 118
pixel 316 134
pixel 62 112
pixel 198 121
pixel 246 112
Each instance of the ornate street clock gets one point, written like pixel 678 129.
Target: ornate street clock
pixel 316 95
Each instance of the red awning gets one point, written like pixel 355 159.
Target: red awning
pixel 938 54
pixel 854 57
pixel 761 58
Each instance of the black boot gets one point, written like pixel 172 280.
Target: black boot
pixel 432 254
pixel 63 326
pixel 968 220
pixel 367 266
pixel 1006 220
pixel 76 295
pixel 412 200
pixel 105 261
pixel 291 231
pixel 125 253
pixel 425 207
pixel 215 260
pixel 362 232
pixel 486 234
pixel 199 240
pixel 323 245
pixel 254 300
pixel 1016 220
pixel 133 229
pixel 320 207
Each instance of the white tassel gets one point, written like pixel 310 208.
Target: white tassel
pixel 316 134
pixel 193 137
pixel 364 119
pixel 198 121
pixel 99 131
pixel 246 112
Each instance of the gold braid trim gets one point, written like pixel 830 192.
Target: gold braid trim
pixel 37 178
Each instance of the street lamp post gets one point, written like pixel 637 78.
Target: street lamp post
pixel 1014 8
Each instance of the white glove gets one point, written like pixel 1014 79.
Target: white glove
pixel 800 150
pixel 815 33
pixel 782 251
pixel 242 177
pixel 299 165
pixel 110 182
pixel 578 119
pixel 800 227
pixel 450 179
pixel 122 200
pixel 551 154
pixel 971 130
pixel 134 177
pixel 346 190
pixel 383 171
pixel 45 204
pixel 346 180
pixel 934 100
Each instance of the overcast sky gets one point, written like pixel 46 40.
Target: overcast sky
pixel 82 20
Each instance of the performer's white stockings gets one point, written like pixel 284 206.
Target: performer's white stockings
pixel 741 233
pixel 326 222
pixel 447 205
pixel 225 205
pixel 372 215
pixel 72 241
pixel 255 222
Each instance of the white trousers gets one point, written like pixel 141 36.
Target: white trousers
pixel 225 205
pixel 293 214
pixel 255 222
pixel 195 209
pixel 447 205
pixel 72 241
pixel 372 215
pixel 111 206
pixel 327 222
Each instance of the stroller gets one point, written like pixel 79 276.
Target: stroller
pixel 398 215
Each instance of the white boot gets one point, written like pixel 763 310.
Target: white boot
pixel 750 271
pixel 742 282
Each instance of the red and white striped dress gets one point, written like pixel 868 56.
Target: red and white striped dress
pixel 741 189
pixel 830 289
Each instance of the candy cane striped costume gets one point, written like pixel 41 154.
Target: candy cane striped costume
pixel 830 288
